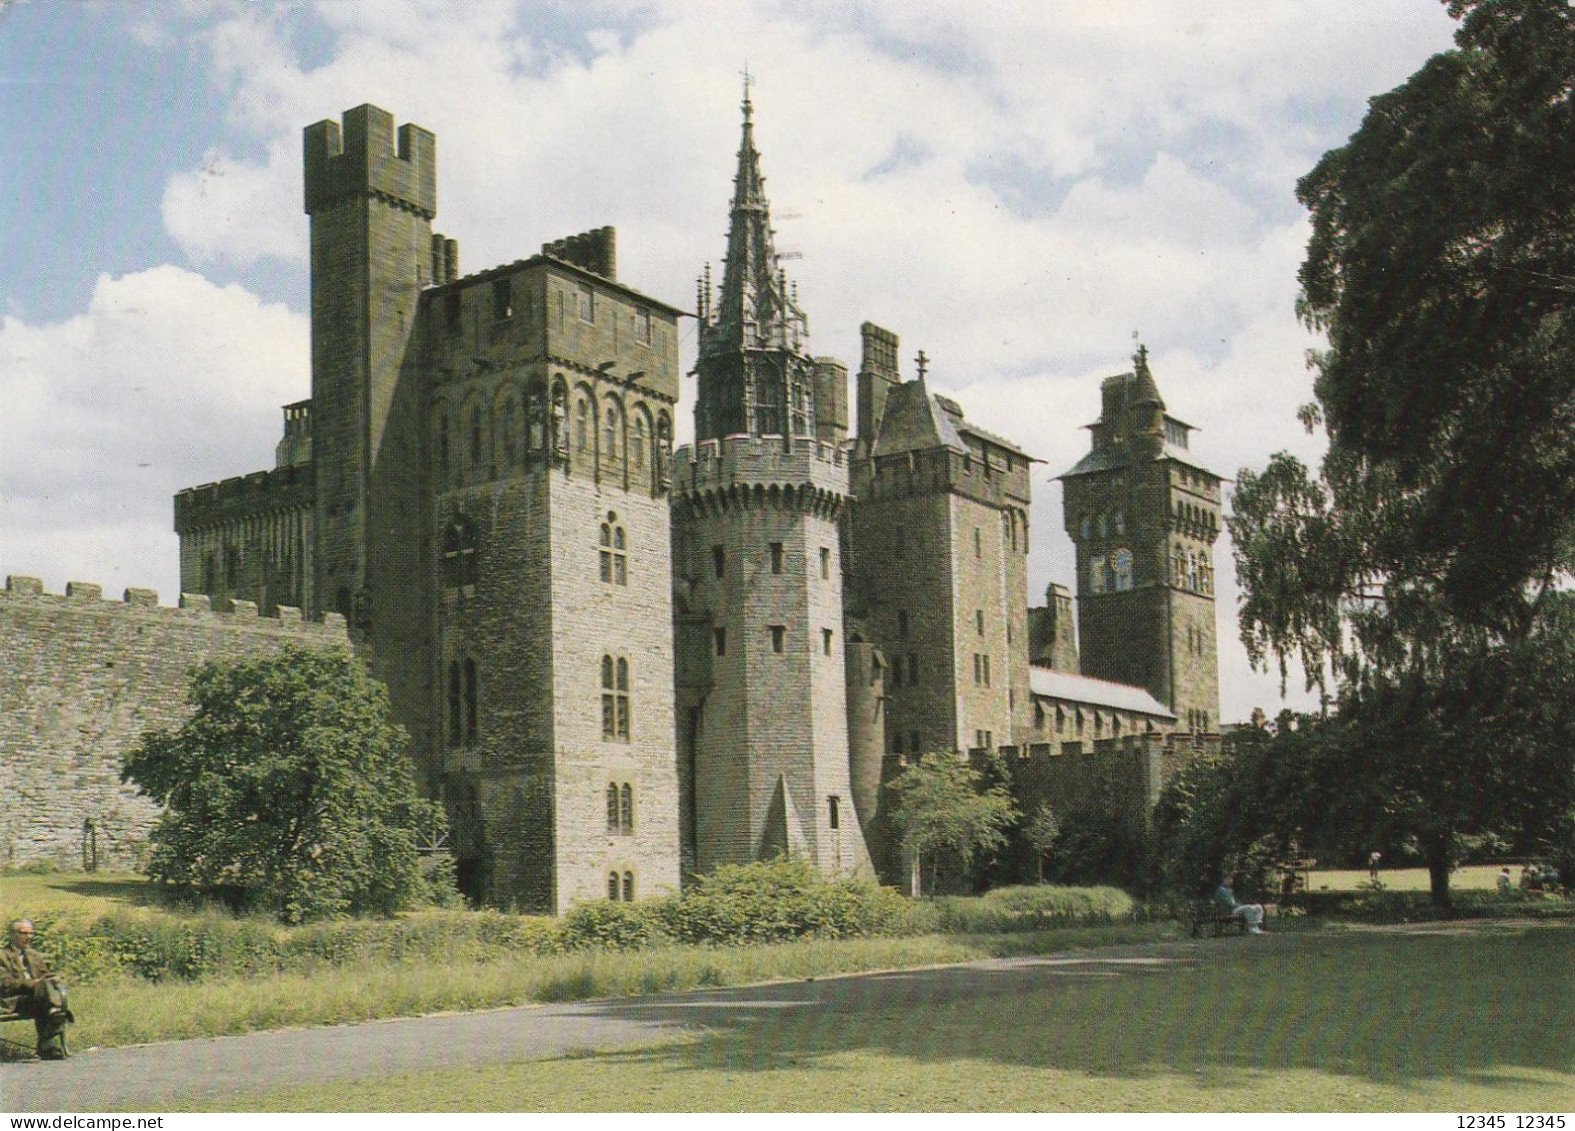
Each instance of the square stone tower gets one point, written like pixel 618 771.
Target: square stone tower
pixel 1144 514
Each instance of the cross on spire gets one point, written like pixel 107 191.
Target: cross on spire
pixel 923 363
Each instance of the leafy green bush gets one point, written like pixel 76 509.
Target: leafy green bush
pixel 605 925
pixel 1032 908
pixel 777 900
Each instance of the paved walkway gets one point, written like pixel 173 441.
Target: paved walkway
pixel 151 1077
pixel 155 1077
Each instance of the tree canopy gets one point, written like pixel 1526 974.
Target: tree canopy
pixel 288 788
pixel 941 804
pixel 1421 566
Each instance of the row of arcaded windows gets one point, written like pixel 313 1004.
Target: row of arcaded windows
pixel 476 444
pixel 1192 569
pixel 620 809
pixel 1105 524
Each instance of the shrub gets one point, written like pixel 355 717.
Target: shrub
pixel 605 925
pixel 777 900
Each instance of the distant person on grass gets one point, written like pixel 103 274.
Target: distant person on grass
pixel 1372 865
pixel 27 987
pixel 1250 913
pixel 1503 881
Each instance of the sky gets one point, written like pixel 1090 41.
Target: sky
pixel 1015 188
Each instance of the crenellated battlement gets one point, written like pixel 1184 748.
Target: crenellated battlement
pixel 362 159
pixel 745 460
pixel 82 596
pixel 595 251
pixel 283 488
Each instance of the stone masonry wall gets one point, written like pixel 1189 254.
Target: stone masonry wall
pixel 83 678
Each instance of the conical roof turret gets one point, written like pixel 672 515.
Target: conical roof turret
pixel 1144 391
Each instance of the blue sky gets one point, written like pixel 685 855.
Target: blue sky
pixel 1015 188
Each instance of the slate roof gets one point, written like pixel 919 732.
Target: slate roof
pixel 1052 684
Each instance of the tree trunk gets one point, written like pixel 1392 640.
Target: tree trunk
pixel 1439 863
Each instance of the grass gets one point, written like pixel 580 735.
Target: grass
pixel 1355 1020
pixel 1468 877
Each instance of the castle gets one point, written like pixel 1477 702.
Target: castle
pixel 621 664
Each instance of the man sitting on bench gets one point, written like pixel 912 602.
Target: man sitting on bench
pixel 26 987
pixel 1250 913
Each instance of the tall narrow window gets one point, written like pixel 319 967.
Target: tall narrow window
pixel 609 700
pixel 585 303
pixel 913 669
pixel 825 563
pixel 719 636
pixel 719 560
pixel 582 426
pixel 834 817
pixel 825 641
pixel 623 700
pixel 776 557
pixel 612 808
pixel 978 621
pixel 987 671
pixel 626 810
pixel 637 445
pixel 612 886
pixel 628 887
pixel 614 552
pixel 642 326
pixel 610 436
pixel 459 553
pixel 470 701
pixel 978 543
pixel 502 303
pixel 778 637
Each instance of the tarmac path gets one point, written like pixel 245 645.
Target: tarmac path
pixel 158 1077
pixel 144 1078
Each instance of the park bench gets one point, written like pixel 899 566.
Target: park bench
pixel 9 1014
pixel 1206 914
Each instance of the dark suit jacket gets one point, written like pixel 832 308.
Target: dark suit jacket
pixel 14 978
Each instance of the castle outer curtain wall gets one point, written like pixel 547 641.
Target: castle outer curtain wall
pixel 84 678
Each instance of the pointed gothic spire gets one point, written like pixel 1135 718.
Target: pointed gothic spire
pixel 756 309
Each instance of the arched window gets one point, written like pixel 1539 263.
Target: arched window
pixel 459 553
pixel 613 886
pixel 628 887
pixel 1121 568
pixel 1192 571
pixel 626 810
pixel 614 552
pixel 637 446
pixel 612 808
pixel 1178 563
pixel 1096 575
pixel 610 443
pixel 615 699
pixel 582 424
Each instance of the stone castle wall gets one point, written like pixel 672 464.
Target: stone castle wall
pixel 84 678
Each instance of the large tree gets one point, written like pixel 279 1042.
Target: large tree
pixel 287 787
pixel 941 804
pixel 1420 561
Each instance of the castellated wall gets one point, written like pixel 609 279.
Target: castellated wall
pixel 83 679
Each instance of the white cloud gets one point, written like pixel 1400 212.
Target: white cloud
pixel 1012 187
pixel 166 381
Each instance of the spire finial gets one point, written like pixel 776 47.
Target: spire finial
pixel 748 106
pixel 923 362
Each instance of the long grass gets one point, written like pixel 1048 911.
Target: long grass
pixel 123 1011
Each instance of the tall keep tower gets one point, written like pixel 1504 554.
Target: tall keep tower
pixel 1144 514
pixel 371 196
pixel 758 504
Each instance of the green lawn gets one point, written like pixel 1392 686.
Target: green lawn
pixel 1468 877
pixel 1462 1018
